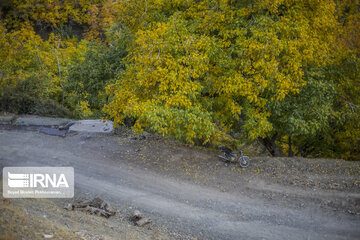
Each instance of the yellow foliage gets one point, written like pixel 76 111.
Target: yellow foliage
pixel 83 109
pixel 210 57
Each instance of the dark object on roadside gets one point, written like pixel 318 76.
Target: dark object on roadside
pixel 136 216
pixel 62 131
pixel 138 219
pixel 140 137
pixel 232 157
pixel 67 126
pixel 225 150
pixel 96 206
pixel 97 202
pixel 53 131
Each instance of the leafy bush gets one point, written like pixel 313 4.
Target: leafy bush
pixel 20 103
pixel 86 79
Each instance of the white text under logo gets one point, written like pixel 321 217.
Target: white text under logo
pixel 38 182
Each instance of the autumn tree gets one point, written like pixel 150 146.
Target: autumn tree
pixel 40 49
pixel 89 18
pixel 209 65
pixel 87 78
pixel 33 69
pixel 285 72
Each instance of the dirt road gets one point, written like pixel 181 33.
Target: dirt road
pixel 129 174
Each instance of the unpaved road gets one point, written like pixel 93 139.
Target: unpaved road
pixel 103 167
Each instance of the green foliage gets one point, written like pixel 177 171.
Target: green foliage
pixel 18 102
pixel 86 79
pixel 34 68
pixel 65 31
pixel 344 138
pixel 283 72
pixel 220 59
pixel 182 123
pixel 306 113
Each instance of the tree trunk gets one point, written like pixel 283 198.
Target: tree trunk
pixel 291 154
pixel 58 63
pixel 270 145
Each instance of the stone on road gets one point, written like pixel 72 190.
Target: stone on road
pixel 92 126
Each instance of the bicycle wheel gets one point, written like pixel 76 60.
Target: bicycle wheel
pixel 244 161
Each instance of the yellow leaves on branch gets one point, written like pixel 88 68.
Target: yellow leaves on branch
pixel 219 58
pixel 97 14
pixel 24 55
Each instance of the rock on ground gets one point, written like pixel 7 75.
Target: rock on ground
pixel 95 126
pixel 7 119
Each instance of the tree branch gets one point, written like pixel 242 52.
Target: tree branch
pixel 58 63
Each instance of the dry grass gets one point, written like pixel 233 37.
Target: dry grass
pixel 32 218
